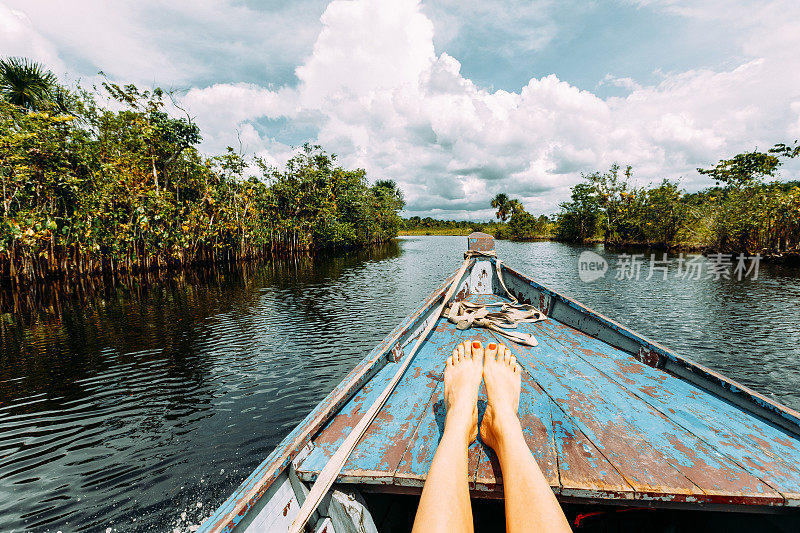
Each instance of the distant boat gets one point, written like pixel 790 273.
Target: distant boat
pixel 614 420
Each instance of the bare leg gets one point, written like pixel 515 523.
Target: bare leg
pixel 530 503
pixel 444 505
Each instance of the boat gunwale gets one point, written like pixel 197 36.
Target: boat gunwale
pixel 236 506
pixel 659 356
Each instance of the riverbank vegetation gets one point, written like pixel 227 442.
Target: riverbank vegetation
pixel 521 226
pixel 110 181
pixel 435 226
pixel 742 212
pixel 513 223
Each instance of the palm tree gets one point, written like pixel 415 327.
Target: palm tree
pixel 515 206
pixel 501 203
pixel 25 83
pixel 392 192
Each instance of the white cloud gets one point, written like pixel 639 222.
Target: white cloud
pixel 516 25
pixel 386 102
pixel 373 89
pixel 176 43
pixel 793 131
pixel 624 83
pixel 222 106
pixel 19 38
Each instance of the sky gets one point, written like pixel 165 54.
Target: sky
pixel 455 100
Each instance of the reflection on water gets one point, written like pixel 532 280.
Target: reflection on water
pixel 142 403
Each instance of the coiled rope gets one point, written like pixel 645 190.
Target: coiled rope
pixel 468 314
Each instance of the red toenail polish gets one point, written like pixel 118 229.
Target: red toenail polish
pixel 492 346
pixel 476 345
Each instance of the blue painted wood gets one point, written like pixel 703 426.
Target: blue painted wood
pixel 378 454
pixel 591 410
pixel 480 242
pixel 328 440
pixel 766 451
pixel 583 471
pixel 413 467
pixel 582 463
pixel 655 456
pixel 616 427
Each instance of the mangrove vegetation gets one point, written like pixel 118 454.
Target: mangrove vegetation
pixel 111 180
pixel 742 212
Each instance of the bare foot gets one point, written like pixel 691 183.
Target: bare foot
pixel 502 376
pixel 462 377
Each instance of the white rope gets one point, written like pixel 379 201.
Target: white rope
pixel 467 314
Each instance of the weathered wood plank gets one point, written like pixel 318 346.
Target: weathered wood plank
pixel 480 277
pixel 766 451
pixel 642 467
pixel 658 458
pixel 328 440
pixel 582 469
pixel 380 450
pixel 378 454
pixel 485 299
pixel 413 467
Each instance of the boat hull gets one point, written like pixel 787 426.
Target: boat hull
pixel 612 418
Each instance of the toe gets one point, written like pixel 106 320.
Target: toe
pixel 459 353
pixel 506 356
pixel 491 351
pixel 476 348
pixel 512 362
pixel 501 350
pixel 450 359
pixel 477 353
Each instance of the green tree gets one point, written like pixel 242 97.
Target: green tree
pixel 620 203
pixel 784 150
pixel 99 189
pixel 743 170
pixel 579 218
pixel 734 225
pixel 663 214
pixel 25 83
pixel 522 226
pixel 515 206
pixel 501 203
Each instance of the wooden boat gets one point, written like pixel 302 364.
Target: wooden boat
pixel 614 420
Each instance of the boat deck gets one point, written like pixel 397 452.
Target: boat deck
pixel 602 425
